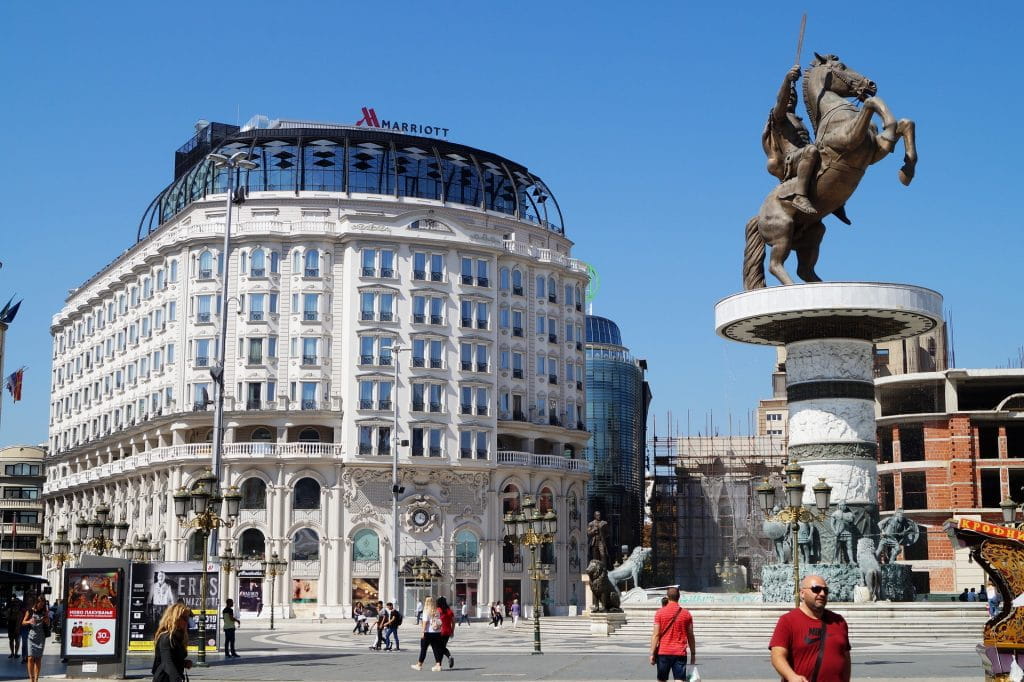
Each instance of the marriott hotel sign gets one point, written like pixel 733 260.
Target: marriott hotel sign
pixel 370 120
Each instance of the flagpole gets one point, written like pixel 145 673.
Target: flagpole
pixel 3 338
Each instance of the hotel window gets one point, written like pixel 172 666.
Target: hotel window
pixel 473 444
pixel 202 352
pixel 147 288
pixel 482 400
pixel 311 307
pixel 161 280
pixel 258 267
pixel 504 317
pixel 173 271
pixel 517 282
pixel 203 308
pixel 541 320
pixel 552 290
pixel 504 279
pixel 517 323
pixel 205 265
pixel 426 441
pixel 422 304
pixel 309 395
pixel 483 315
pixel 504 359
pixel 517 365
pixel 134 303
pixel 552 330
pixel 310 346
pixel 541 286
pixel 312 263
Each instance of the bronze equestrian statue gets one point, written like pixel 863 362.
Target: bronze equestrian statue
pixel 818 178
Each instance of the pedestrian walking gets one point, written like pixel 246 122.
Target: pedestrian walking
pixel 37 620
pixel 811 642
pixel 380 626
pixel 426 632
pixel 515 613
pixel 391 627
pixel 23 627
pixel 672 634
pixel 14 614
pixel 170 657
pixel 447 617
pixel 230 625
pixel 463 617
pixel 419 611
pixel 357 616
pixel 496 617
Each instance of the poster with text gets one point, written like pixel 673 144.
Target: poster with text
pixel 154 587
pixel 250 594
pixel 91 618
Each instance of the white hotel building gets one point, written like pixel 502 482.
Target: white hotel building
pixel 353 242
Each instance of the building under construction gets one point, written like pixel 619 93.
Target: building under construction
pixel 703 507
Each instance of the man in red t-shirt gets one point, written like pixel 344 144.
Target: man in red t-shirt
pixel 673 631
pixel 811 643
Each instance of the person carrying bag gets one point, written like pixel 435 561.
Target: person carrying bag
pixel 170 645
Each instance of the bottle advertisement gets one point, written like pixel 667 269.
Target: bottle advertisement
pixel 91 616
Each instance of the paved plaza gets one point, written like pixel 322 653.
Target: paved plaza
pixel 304 652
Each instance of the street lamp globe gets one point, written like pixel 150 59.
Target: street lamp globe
pixel 181 498
pixel 822 495
pixel 766 496
pixel 1009 509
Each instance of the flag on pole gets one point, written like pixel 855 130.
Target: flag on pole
pixel 9 310
pixel 13 384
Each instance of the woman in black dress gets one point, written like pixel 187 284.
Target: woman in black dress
pixel 170 644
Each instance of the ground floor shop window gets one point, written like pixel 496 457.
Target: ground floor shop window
pixel 466 593
pixel 511 590
pixel 365 590
pixel 304 591
pixel 250 595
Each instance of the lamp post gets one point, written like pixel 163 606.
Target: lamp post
pixel 233 164
pixel 532 529
pixel 794 512
pixel 229 562
pixel 1009 509
pixel 58 552
pixel 272 568
pixel 396 488
pixel 100 535
pixel 204 501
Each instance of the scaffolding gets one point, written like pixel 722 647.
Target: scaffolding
pixel 703 507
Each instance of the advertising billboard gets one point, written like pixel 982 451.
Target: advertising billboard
pixel 155 586
pixel 92 620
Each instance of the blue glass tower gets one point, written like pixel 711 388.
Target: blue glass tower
pixel 618 397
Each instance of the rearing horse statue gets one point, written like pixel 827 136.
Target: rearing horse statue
pixel 848 143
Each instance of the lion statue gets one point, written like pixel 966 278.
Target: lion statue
pixel 870 571
pixel 630 568
pixel 604 593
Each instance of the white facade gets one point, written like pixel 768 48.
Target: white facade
pixel 321 286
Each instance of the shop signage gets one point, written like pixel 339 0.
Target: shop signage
pixel 370 120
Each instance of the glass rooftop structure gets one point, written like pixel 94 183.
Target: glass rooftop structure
pixel 295 156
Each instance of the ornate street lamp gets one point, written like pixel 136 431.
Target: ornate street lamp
pixel 794 512
pixel 532 529
pixel 272 568
pixel 204 503
pixel 99 534
pixel 58 552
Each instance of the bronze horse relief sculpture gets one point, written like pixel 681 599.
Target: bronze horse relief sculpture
pixel 818 178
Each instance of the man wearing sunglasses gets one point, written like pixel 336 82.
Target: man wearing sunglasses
pixel 811 643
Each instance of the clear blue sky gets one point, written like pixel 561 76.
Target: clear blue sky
pixel 644 118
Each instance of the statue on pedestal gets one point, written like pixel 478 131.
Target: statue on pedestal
pixel 597 531
pixel 778 533
pixel 817 179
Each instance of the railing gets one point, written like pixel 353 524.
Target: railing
pixel 544 255
pixel 194 452
pixel 528 459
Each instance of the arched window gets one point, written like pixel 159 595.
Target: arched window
pixel 275 262
pixel 205 265
pixel 306 494
pixel 252 544
pixel 517 282
pixel 467 547
pixel 262 434
pixel 552 289
pixel 579 299
pixel 503 279
pixel 312 263
pixel 305 545
pixel 545 500
pixel 309 436
pixel 254 494
pixel 510 499
pixel 296 261
pixel 541 286
pixel 259 263
pixel 365 546
pixel 195 547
